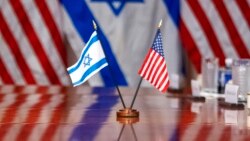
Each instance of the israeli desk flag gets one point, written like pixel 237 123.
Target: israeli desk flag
pixel 92 60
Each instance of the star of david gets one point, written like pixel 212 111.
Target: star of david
pixel 118 5
pixel 86 60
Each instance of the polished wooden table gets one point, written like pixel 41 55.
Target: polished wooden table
pixel 55 113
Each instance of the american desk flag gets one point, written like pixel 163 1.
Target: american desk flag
pixel 92 60
pixel 154 67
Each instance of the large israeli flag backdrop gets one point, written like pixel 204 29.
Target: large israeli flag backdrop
pixel 126 31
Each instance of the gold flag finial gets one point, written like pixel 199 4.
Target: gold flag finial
pixel 160 23
pixel 94 24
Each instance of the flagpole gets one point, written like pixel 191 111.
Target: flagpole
pixel 123 104
pixel 136 92
pixel 139 84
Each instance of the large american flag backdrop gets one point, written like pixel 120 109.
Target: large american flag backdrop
pixel 32 41
pixel 215 28
pixel 32 48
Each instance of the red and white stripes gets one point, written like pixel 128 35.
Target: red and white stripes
pixel 215 28
pixel 32 49
pixel 154 69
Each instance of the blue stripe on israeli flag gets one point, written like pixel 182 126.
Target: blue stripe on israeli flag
pixel 91 71
pixel 173 7
pixel 91 61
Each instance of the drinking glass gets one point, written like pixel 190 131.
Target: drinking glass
pixel 241 77
pixel 210 70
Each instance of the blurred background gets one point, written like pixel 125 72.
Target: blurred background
pixel 39 39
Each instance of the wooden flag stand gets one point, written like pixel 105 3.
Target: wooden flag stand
pixel 127 120
pixel 129 112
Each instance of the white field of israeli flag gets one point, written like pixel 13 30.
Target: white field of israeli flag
pixel 91 60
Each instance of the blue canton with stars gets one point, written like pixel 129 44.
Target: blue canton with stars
pixel 87 60
pixel 120 4
pixel 157 45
